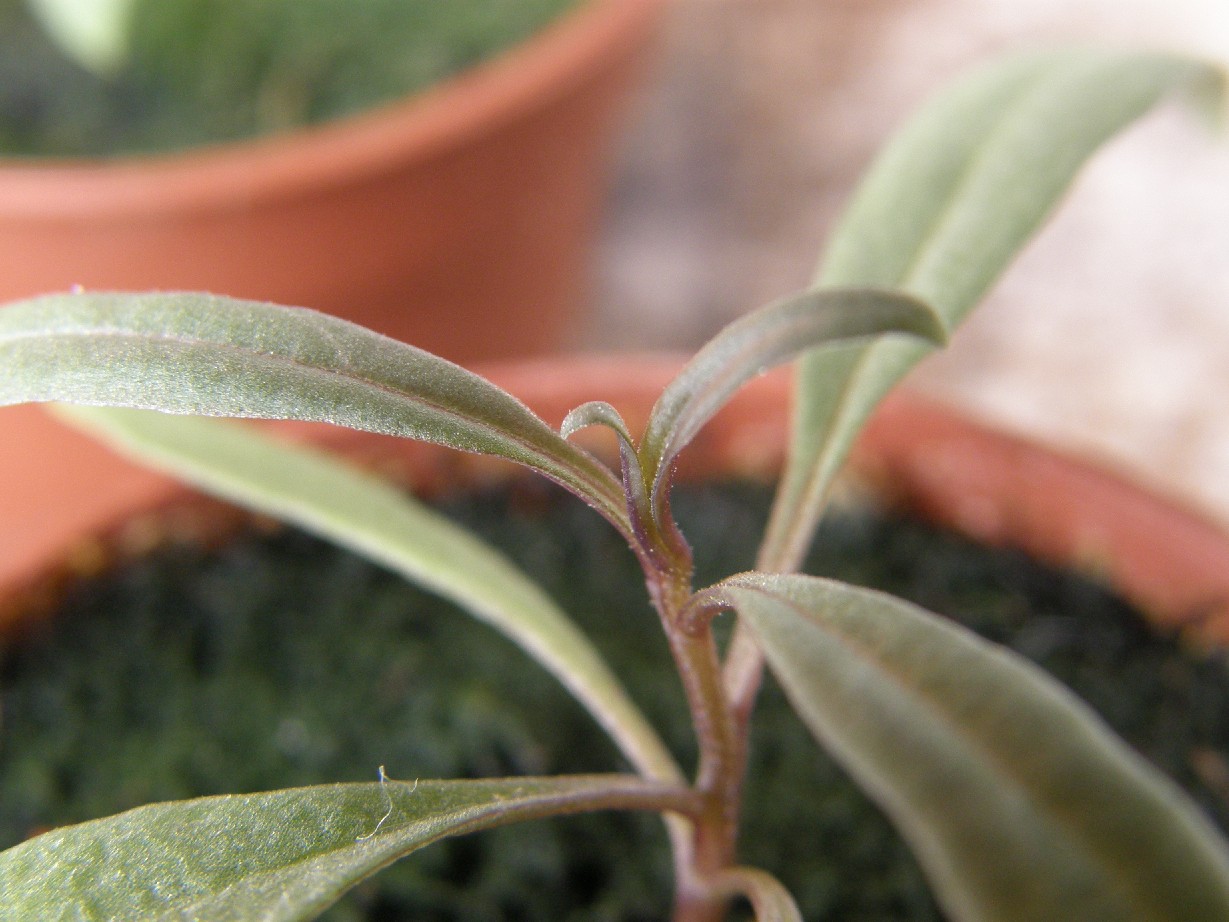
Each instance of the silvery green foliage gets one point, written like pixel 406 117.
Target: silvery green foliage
pixel 1017 800
pixel 1019 803
pixel 943 211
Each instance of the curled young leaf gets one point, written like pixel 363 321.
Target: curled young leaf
pixel 282 856
pixel 601 413
pixel 596 413
pixel 660 545
pixel 214 356
pixel 1018 801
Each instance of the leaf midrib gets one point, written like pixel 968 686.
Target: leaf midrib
pixel 972 166
pixel 904 282
pixel 602 488
pixel 1064 818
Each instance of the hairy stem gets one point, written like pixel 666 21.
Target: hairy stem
pixel 710 850
pixel 705 850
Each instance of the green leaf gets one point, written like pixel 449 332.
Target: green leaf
pixel 373 518
pixel 213 356
pixel 940 215
pixel 762 340
pixel 596 413
pixel 1018 801
pixel 279 856
pixel 94 33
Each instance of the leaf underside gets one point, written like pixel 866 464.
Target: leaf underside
pixel 214 356
pixel 1019 803
pixel 280 856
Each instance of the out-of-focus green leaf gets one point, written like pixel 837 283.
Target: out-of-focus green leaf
pixel 942 212
pixel 214 356
pixel 94 33
pixel 275 857
pixel 333 500
pixel 1019 803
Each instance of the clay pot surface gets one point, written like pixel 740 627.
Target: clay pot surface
pixel 459 219
pixel 79 508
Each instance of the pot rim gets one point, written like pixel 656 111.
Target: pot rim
pixel 918 454
pixel 589 38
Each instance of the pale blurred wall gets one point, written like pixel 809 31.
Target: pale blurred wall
pixel 1111 335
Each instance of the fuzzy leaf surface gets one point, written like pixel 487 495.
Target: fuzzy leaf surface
pixel 1018 801
pixel 337 502
pixel 214 356
pixel 277 856
pixel 943 211
pixel 764 339
pixel 601 413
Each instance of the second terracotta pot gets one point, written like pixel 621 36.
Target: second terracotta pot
pixel 460 220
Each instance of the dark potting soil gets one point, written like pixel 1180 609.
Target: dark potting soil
pixel 203 72
pixel 280 661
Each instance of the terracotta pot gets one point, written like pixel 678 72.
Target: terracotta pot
pixel 460 219
pixel 57 521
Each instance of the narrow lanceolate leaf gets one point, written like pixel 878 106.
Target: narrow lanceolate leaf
pixel 214 356
pixel 762 340
pixel 275 857
pixel 1019 803
pixel 943 211
pixel 372 518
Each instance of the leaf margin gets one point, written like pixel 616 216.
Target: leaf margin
pixel 792 616
pixel 346 819
pixel 202 354
pixel 356 510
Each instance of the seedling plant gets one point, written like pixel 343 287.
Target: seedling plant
pixel 1018 802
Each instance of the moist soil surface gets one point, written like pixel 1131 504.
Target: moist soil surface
pixel 280 661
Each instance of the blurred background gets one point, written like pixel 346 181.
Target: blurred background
pixel 1110 336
